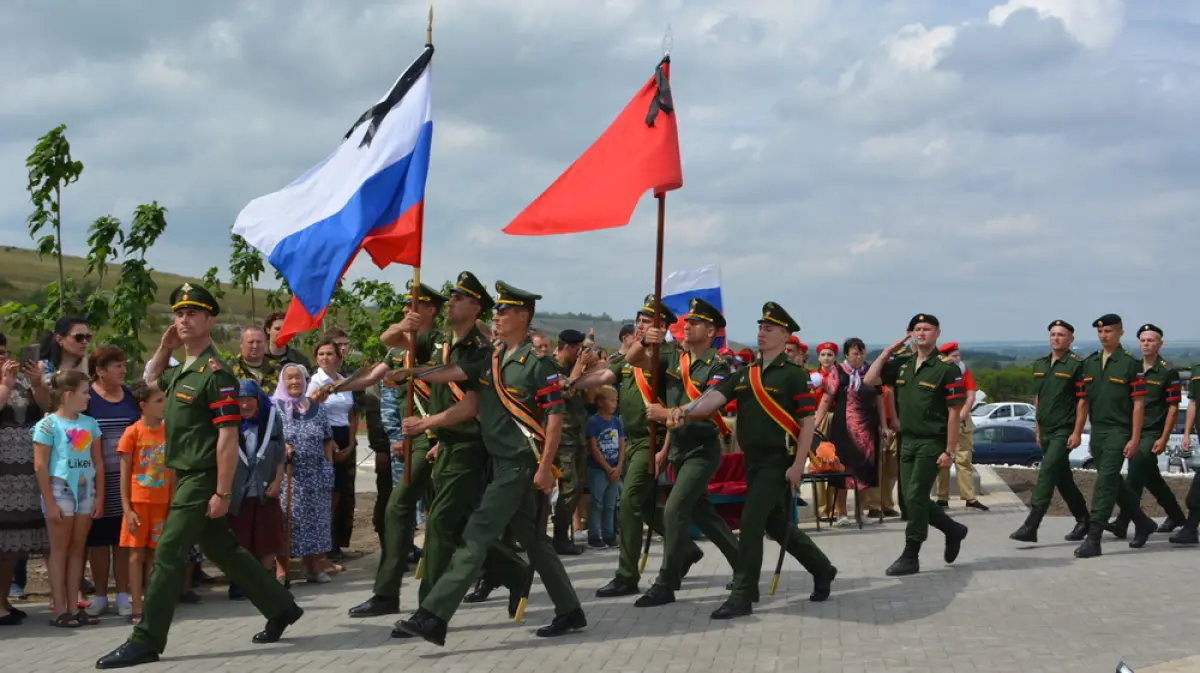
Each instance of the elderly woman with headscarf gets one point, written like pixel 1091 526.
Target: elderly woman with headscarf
pixel 308 440
pixel 254 513
pixel 856 420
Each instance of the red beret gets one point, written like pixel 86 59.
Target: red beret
pixel 725 351
pixel 828 345
pixel 795 340
pixel 948 347
pixel 746 355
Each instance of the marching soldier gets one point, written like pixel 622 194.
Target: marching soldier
pixel 636 390
pixel 517 397
pixel 775 408
pixel 929 390
pixel 202 421
pixel 1114 389
pixel 1188 534
pixel 1163 394
pixel 400 515
pixel 695 448
pixel 1061 414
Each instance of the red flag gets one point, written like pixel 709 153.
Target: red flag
pixel 639 151
pixel 296 321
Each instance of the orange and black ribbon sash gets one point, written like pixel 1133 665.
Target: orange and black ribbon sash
pixel 693 392
pixel 455 389
pixel 777 413
pixel 517 410
pixel 643 385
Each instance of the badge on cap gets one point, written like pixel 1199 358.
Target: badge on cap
pixel 462 276
pixel 186 287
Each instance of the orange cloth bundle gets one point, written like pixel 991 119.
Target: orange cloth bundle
pixel 825 459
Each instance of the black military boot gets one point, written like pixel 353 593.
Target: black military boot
pixel 692 560
pixel 1119 526
pixel 424 624
pixel 954 538
pixel 732 608
pixel 822 585
pixel 1028 530
pixel 1143 528
pixel 1091 544
pixel 561 625
pixel 562 541
pixel 1188 534
pixel 1175 518
pixel 1079 531
pixel 909 562
pixel 483 589
pixel 273 631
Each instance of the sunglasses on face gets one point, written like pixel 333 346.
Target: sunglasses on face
pixel 82 338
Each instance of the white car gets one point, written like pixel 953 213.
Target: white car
pixel 1172 460
pixel 1002 411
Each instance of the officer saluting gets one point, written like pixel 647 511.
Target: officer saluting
pixel 202 421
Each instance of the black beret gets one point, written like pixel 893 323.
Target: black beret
pixel 1063 324
pixel 926 318
pixel 1107 320
pixel 571 337
pixel 626 330
pixel 1148 327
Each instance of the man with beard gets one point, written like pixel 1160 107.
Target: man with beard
pixel 929 390
pixel 695 448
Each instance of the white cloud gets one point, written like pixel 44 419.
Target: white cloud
pixel 1094 23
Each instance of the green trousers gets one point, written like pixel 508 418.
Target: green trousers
pixel 459 476
pixel 572 460
pixel 509 500
pixel 188 524
pixel 400 520
pixel 1144 475
pixel 1192 501
pixel 767 510
pixel 637 497
pixel 1108 450
pixel 1055 473
pixel 687 504
pixel 918 472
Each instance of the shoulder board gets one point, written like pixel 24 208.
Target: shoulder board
pixel 214 365
pixel 1129 353
pixel 945 358
pixel 1074 356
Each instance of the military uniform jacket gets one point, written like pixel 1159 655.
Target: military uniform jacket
pixel 707 370
pixel 1059 385
pixel 266 374
pixel 1163 389
pixel 1111 389
pixel 631 399
pixel 393 395
pixel 532 380
pixel 473 346
pixel 201 398
pixel 785 382
pixel 575 415
pixel 925 394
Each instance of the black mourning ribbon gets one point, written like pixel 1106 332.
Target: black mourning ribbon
pixel 378 111
pixel 662 98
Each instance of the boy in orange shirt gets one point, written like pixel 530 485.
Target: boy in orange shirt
pixel 146 485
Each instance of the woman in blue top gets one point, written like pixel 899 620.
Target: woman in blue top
pixel 70 473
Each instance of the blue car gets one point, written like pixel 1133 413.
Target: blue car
pixel 1007 443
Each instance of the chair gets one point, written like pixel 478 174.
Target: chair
pixel 827 478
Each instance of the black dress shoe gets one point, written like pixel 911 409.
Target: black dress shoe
pixel 943 503
pixel 822 584
pixel 128 654
pixel 732 608
pixel 426 625
pixel 376 606
pixel 691 561
pixel 415 554
pixel 657 595
pixel 276 625
pixel 891 513
pixel 954 542
pixel 617 588
pixel 482 591
pixel 975 504
pixel 874 514
pixel 567 548
pixel 561 625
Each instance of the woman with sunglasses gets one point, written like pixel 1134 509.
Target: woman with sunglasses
pixel 66 348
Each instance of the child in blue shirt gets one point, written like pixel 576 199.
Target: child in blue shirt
pixel 606 458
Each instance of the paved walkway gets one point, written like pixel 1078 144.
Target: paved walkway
pixel 1001 607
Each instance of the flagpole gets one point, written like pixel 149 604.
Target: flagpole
pixel 415 294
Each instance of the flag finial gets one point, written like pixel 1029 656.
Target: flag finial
pixel 668 41
pixel 429 27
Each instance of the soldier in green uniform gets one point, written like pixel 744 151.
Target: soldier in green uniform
pixel 1114 388
pixel 1189 534
pixel 636 389
pixel 1164 392
pixel 252 362
pixel 929 389
pixel 400 515
pixel 517 397
pixel 775 416
pixel 1061 414
pixel 202 421
pixel 695 448
pixel 381 446
pixel 572 360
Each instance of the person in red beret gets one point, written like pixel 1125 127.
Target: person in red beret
pixel 796 350
pixel 963 464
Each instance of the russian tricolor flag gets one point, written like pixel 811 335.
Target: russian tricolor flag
pixel 368 195
pixel 681 287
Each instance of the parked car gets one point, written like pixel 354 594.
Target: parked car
pixel 1003 411
pixel 1172 460
pixel 1006 443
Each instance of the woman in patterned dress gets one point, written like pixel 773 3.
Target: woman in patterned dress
pixel 309 442
pixel 23 396
pixel 857 421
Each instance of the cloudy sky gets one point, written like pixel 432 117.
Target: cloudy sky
pixel 997 163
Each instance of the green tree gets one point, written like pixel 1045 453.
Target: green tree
pixel 51 168
pixel 1010 384
pixel 277 299
pixel 245 268
pixel 212 282
pixel 137 289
